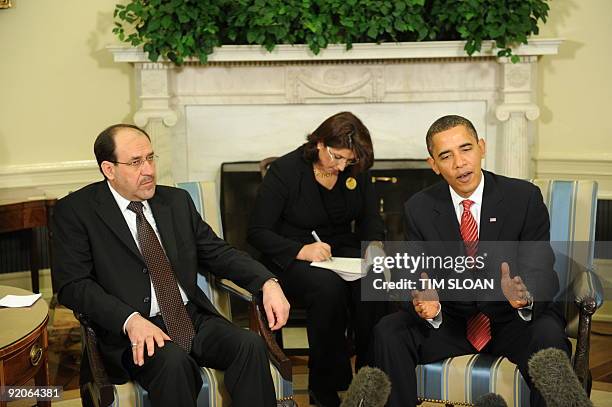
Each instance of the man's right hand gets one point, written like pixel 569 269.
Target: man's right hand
pixel 317 251
pixel 143 332
pixel 426 303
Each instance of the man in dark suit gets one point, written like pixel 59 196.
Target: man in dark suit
pixel 127 254
pixel 473 206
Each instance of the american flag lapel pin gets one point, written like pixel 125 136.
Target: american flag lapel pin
pixel 492 220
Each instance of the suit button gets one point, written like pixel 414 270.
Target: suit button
pixel 146 299
pixel 144 270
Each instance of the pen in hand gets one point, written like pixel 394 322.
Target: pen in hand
pixel 318 239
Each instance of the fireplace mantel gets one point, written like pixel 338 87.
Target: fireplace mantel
pixel 247 103
pixel 402 50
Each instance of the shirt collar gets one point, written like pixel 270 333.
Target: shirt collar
pixel 122 202
pixel 476 195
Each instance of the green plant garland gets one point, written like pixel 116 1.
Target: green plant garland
pixel 180 29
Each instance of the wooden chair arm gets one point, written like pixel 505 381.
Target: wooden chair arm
pixel 587 307
pixel 101 389
pixel 234 289
pixel 259 323
pixel 277 356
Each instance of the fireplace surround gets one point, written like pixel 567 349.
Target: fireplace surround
pixel 247 104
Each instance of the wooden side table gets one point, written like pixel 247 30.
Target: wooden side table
pixel 27 215
pixel 24 343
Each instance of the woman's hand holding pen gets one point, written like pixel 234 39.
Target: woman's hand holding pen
pixel 317 251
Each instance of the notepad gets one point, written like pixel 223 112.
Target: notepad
pixel 346 267
pixel 16 301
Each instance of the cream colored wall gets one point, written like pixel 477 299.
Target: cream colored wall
pixel 58 85
pixel 575 130
pixel 576 84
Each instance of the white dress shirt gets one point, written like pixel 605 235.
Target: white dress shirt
pixel 476 207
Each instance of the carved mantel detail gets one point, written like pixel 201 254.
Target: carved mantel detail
pixel 334 81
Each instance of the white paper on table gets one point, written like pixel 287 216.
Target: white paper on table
pixel 16 301
pixel 346 267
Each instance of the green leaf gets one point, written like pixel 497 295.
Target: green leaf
pixel 251 36
pixel 166 21
pixel 372 31
pixel 154 24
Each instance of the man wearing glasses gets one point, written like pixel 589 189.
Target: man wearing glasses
pixel 127 254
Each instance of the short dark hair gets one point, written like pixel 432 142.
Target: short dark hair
pixel 104 146
pixel 342 130
pixel 448 122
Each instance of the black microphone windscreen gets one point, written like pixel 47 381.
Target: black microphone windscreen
pixel 370 388
pixel 553 376
pixel 490 400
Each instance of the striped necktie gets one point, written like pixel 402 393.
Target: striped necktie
pixel 478 325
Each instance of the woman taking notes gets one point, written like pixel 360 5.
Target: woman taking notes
pixel 314 203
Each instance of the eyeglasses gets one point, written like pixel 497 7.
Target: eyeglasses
pixel 337 158
pixel 139 162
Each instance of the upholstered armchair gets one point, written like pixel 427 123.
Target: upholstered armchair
pixel 100 392
pixel 461 380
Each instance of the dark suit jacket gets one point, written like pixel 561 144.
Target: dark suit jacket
pixel 100 272
pixel 520 216
pixel 289 207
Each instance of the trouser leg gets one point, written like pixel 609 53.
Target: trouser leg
pixel 325 296
pixel 364 317
pixel 402 341
pixel 241 354
pixel 519 340
pixel 171 376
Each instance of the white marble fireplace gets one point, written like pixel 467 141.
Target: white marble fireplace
pixel 247 104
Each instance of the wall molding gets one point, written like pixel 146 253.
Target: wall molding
pixel 48 179
pixel 591 166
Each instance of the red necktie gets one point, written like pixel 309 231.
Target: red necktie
pixel 173 311
pixel 478 326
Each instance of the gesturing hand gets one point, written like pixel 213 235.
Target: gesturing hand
pixel 513 288
pixel 426 303
pixel 317 251
pixel 143 333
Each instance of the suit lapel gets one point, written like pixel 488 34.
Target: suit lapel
pixel 445 219
pixel 111 215
pixel 492 214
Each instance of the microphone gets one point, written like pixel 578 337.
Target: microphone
pixel 370 388
pixel 490 400
pixel 553 376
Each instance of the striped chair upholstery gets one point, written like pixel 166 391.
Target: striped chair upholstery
pixel 213 393
pixel 572 206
